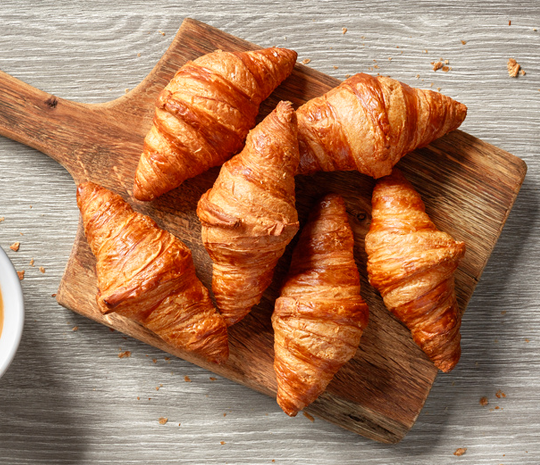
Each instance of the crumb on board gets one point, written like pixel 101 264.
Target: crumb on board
pixel 460 451
pixel 527 340
pixel 336 67
pixel 167 358
pixel 437 65
pixel 32 262
pixel 347 76
pixel 305 61
pixel 344 30
pixel 309 417
pixel 463 42
pixel 138 398
pixel 484 401
pixel 154 360
pixel 163 420
pixel 187 379
pixel 162 33
pixel 20 274
pixel 222 443
pixel 42 269
pixel 1 219
pixel 513 67
pixel 138 54
pixel 53 295
pixel 500 394
pixel 75 328
pixel 125 354
pixel 212 378
pixel 509 22
pixel 15 246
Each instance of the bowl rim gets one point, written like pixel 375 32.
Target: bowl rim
pixel 10 286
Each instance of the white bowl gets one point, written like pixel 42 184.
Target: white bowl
pixel 12 310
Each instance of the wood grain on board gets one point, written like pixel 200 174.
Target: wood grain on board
pixel 468 186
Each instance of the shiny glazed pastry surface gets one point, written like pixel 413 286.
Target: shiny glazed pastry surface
pixel 248 217
pixel 204 114
pixel 369 123
pixel 320 316
pixel 146 274
pixel 412 264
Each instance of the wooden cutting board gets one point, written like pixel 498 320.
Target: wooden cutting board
pixel 468 186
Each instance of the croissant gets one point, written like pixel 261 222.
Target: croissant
pixel 248 217
pixel 412 264
pixel 147 274
pixel 204 114
pixel 369 123
pixel 319 318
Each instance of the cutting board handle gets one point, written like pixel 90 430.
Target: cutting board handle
pixel 36 118
pixel 74 134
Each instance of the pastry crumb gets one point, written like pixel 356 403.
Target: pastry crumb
pixel 154 360
pixel 509 22
pixel 500 394
pixel 222 443
pixel 306 61
pixel 437 65
pixel 513 67
pixel 344 30
pixel 187 379
pixel 336 67
pixel 75 328
pixel 32 262
pixel 15 246
pixel 125 354
pixel 484 401
pixel 212 378
pixel 464 42
pixel 162 33
pixel 163 420
pixel 167 358
pixel 1 219
pixel 20 274
pixel 309 417
pixel 53 295
pixel 42 269
pixel 460 451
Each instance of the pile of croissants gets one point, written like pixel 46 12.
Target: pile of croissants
pixel 206 117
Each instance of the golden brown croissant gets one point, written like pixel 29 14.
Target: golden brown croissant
pixel 146 274
pixel 319 318
pixel 412 264
pixel 204 114
pixel 248 217
pixel 368 123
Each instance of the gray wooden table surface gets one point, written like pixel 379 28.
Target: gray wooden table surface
pixel 68 397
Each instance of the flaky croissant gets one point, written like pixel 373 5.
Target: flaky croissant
pixel 412 264
pixel 248 217
pixel 319 318
pixel 146 274
pixel 368 123
pixel 204 114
